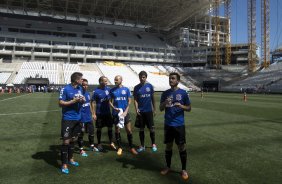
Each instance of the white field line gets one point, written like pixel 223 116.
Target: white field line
pixel 35 112
pixel 14 97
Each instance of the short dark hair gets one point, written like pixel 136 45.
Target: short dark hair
pixel 84 80
pixel 177 75
pixel 101 78
pixel 75 76
pixel 143 73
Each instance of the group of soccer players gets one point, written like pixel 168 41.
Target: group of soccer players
pixel 108 107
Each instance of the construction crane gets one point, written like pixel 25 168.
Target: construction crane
pixel 265 50
pixel 252 57
pixel 227 12
pixel 216 21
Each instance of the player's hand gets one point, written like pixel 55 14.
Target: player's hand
pixel 138 112
pixel 154 112
pixel 76 99
pixel 177 104
pixel 116 109
pixel 94 117
pixel 82 99
pixel 123 114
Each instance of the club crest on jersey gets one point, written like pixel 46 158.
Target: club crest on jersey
pixel 148 89
pixel 88 96
pixel 107 92
pixel 178 97
pixel 123 92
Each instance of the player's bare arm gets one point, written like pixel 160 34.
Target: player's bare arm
pixel 93 109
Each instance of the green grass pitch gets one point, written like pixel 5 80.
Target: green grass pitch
pixel 228 141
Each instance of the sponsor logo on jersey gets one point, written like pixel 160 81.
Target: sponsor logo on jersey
pixel 120 98
pixel 145 95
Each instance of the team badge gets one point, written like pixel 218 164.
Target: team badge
pixel 123 92
pixel 88 97
pixel 148 89
pixel 107 92
pixel 178 97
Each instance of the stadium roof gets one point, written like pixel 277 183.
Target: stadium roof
pixel 160 14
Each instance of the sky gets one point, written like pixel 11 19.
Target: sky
pixel 239 22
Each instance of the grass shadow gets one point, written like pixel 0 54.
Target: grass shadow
pixel 51 157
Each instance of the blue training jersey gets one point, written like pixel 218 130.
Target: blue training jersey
pixel 120 96
pixel 144 94
pixel 174 116
pixel 102 97
pixel 86 115
pixel 71 112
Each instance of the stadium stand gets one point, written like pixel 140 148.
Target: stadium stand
pixel 4 76
pixel 68 70
pixel 130 79
pixel 38 70
pixel 157 78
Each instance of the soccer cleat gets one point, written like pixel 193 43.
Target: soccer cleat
pixel 112 145
pixel 165 171
pixel 73 163
pixel 141 149
pixel 93 148
pixel 83 153
pixel 154 148
pixel 100 148
pixel 184 175
pixel 64 170
pixel 119 152
pixel 133 151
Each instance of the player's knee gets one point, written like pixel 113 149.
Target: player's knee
pixel 128 131
pixel 74 138
pixel 182 147
pixel 117 130
pixel 66 142
pixel 152 130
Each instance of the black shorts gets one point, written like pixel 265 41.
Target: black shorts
pixel 174 133
pixel 87 127
pixel 146 118
pixel 127 119
pixel 104 121
pixel 70 128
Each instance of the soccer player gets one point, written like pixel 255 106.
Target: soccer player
pixel 175 101
pixel 101 111
pixel 86 121
pixel 144 103
pixel 71 100
pixel 120 101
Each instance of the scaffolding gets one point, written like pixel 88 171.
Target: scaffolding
pixel 252 57
pixel 265 50
pixel 216 32
pixel 227 11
